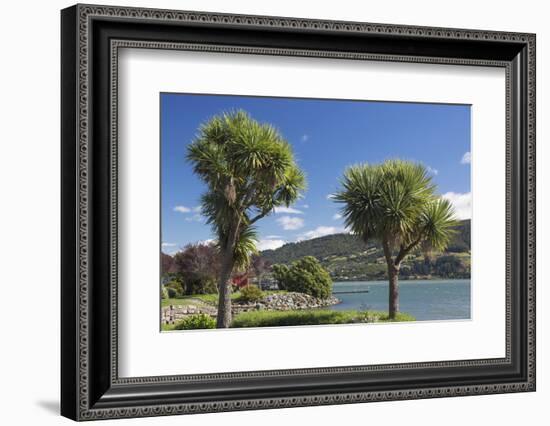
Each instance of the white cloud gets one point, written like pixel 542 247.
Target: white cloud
pixel 462 203
pixel 182 209
pixel 432 170
pixel 290 223
pixel 273 237
pixel 270 244
pixel 194 218
pixel 466 158
pixel 288 210
pixel 337 216
pixel 305 138
pixel 208 241
pixel 321 231
pixel 169 244
pixel 305 206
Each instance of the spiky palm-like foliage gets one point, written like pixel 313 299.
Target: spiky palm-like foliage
pixel 395 203
pixel 249 169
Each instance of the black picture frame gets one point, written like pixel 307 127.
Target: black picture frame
pixel 90 386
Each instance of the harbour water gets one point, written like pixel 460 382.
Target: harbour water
pixel 424 299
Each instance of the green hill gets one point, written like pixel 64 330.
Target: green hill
pixel 348 258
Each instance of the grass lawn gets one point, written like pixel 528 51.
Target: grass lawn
pixel 167 327
pixel 267 318
pixel 307 317
pixel 183 301
pixel 312 317
pixel 211 299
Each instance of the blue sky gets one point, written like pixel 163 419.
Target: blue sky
pixel 327 136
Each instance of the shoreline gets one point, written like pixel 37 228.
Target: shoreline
pixel 385 280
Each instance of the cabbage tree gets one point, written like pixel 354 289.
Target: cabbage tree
pixel 395 203
pixel 249 169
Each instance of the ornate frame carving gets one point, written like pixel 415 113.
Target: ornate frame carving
pixel 84 397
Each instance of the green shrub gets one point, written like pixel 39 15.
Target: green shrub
pixel 251 293
pixel 196 322
pixel 177 286
pixel 193 285
pixel 305 275
pixel 163 292
pixel 200 285
pixel 172 293
pixel 280 272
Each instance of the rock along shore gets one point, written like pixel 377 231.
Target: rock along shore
pixel 273 302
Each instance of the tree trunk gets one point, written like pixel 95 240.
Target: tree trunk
pixel 223 319
pixel 393 273
pixel 224 297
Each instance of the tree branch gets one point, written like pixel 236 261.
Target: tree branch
pixel 404 250
pixel 258 217
pixel 245 201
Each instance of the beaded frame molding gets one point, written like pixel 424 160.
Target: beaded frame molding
pixel 91 38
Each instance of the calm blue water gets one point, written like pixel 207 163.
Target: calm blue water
pixel 424 299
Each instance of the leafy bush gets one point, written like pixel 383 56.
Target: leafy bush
pixel 192 284
pixel 163 293
pixel 200 285
pixel 172 293
pixel 196 322
pixel 197 266
pixel 279 274
pixel 175 285
pixel 305 275
pixel 251 293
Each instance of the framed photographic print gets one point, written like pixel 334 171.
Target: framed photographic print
pixel 263 212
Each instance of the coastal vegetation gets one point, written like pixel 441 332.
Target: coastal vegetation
pixel 251 293
pixel 305 275
pixel 347 258
pixel 196 322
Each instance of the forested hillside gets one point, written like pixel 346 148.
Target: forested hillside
pixel 348 258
